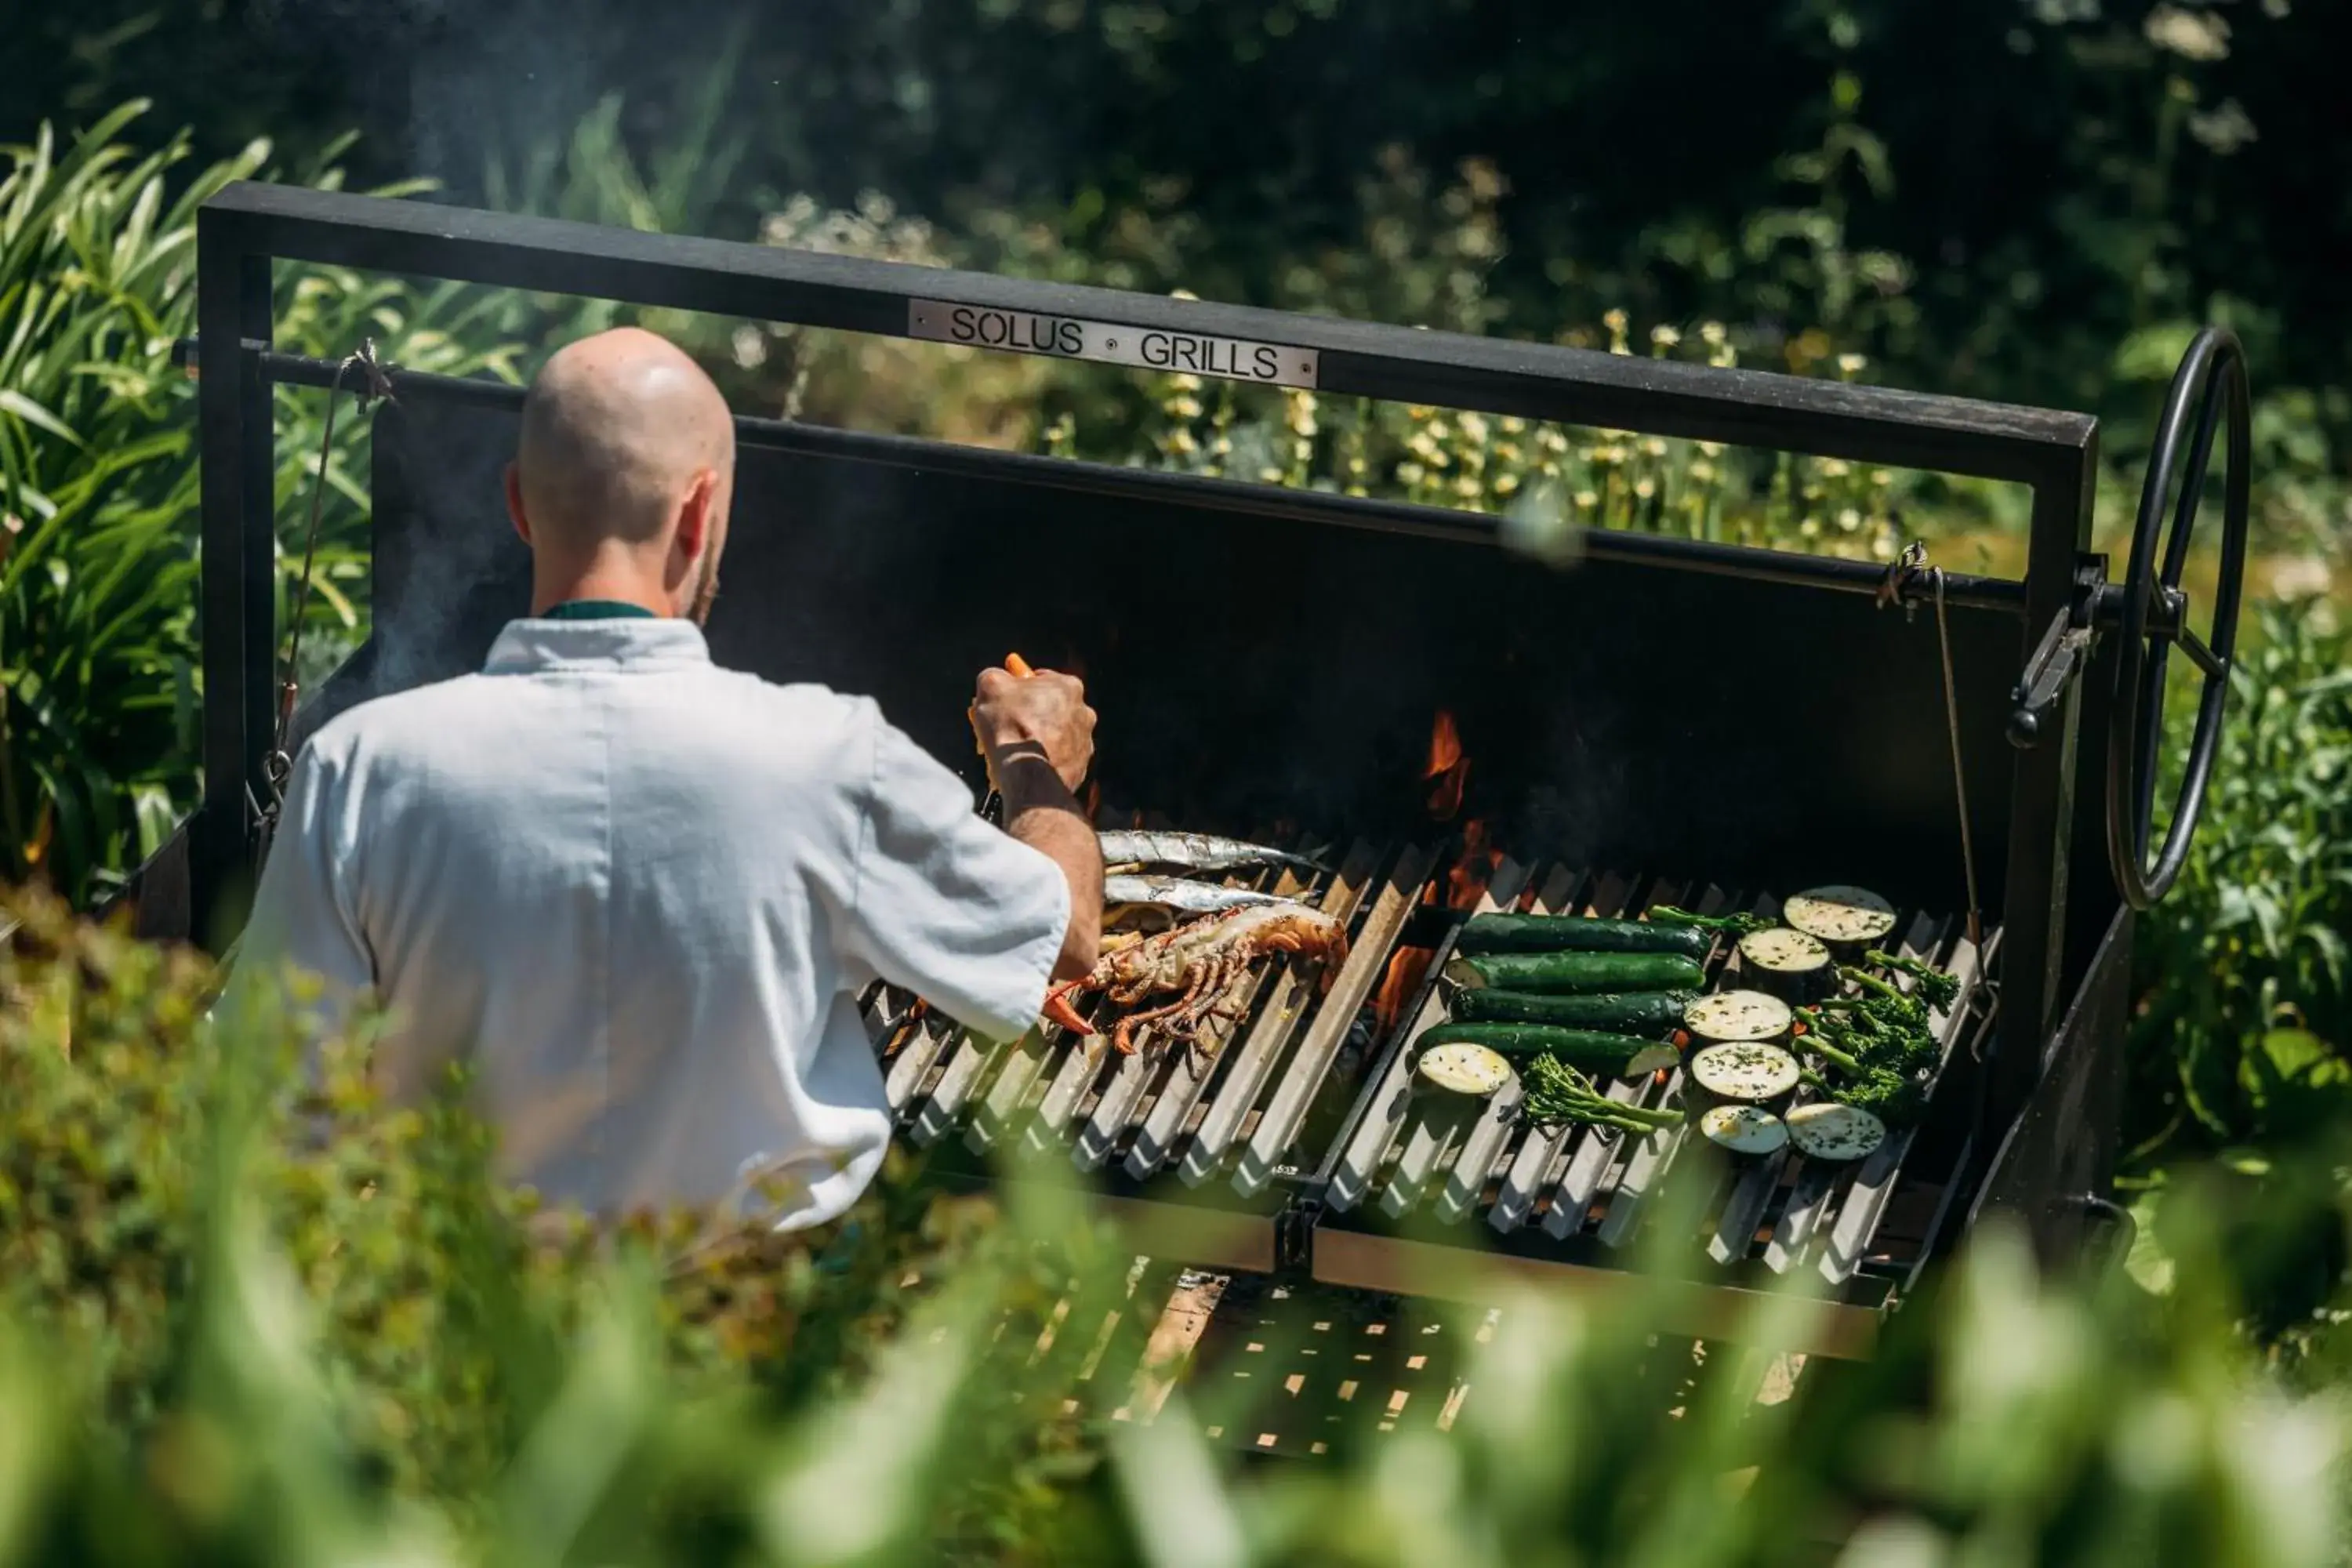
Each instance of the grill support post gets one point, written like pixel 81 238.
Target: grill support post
pixel 238 565
pixel 2042 802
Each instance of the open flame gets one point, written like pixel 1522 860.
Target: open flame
pixel 1465 886
pixel 1448 769
pixel 1466 883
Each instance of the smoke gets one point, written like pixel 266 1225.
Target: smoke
pixel 449 569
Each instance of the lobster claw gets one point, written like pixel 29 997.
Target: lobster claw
pixel 1057 1008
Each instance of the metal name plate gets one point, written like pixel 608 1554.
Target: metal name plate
pixel 1145 348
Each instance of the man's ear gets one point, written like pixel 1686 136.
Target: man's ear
pixel 514 502
pixel 695 516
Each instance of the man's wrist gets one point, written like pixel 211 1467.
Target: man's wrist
pixel 1027 776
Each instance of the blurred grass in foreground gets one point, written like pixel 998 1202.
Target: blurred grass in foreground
pixel 251 1322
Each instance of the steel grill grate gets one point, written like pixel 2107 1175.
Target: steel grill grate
pixel 1245 1111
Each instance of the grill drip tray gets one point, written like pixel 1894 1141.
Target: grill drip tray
pixel 1302 1117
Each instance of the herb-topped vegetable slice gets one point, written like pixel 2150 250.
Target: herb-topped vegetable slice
pixel 1832 1132
pixel 1576 933
pixel 1744 1129
pixel 1461 1067
pixel 1840 916
pixel 1793 965
pixel 1747 1071
pixel 1577 972
pixel 1730 1015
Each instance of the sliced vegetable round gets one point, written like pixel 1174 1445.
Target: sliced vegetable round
pixel 1832 1132
pixel 1843 917
pixel 1464 1068
pixel 1791 964
pixel 1745 1072
pixel 1745 1129
pixel 1729 1016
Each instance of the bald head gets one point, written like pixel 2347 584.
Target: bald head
pixel 615 431
pixel 624 466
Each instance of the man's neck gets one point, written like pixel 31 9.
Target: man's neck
pixel 604 587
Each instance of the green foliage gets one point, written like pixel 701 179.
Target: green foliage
pixel 250 1315
pixel 2244 1030
pixel 98 483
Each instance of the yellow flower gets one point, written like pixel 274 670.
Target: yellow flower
pixel 1586 499
pixel 1851 364
pixel 1663 336
pixel 1410 473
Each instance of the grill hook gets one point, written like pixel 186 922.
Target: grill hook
pixel 278 767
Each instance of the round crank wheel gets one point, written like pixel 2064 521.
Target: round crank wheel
pixel 2210 385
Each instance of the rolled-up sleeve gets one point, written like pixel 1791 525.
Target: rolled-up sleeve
pixel 946 905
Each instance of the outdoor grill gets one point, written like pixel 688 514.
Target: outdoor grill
pixel 1662 721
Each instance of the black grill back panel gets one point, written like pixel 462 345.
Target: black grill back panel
pixel 1254 674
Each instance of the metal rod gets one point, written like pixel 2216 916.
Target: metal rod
pixel 2203 658
pixel 1200 490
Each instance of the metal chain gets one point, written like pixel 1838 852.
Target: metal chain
pixel 1959 772
pixel 1910 565
pixel 277 766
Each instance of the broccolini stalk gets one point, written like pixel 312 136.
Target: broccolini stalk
pixel 1940 989
pixel 1895 1097
pixel 1556 1092
pixel 1737 925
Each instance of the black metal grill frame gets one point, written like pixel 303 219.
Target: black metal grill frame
pixel 245 230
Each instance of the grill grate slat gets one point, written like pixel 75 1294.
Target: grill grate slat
pixel 1253 1065
pixel 1654 1153
pixel 1874 1183
pixel 1467 1182
pixel 1366 963
pixel 1811 1199
pixel 1395 1100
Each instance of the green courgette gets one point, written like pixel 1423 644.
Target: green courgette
pixel 1590 1049
pixel 1655 1014
pixel 1578 934
pixel 1557 971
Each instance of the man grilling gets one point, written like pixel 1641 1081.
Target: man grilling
pixel 640 894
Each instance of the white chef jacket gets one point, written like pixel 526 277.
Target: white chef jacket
pixel 640 894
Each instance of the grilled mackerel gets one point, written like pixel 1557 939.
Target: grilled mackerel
pixel 1125 849
pixel 1186 897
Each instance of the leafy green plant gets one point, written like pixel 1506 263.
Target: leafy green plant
pixel 98 481
pixel 2244 1032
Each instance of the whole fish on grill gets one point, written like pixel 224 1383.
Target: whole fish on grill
pixel 1194 851
pixel 1186 897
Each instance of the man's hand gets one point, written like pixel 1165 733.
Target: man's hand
pixel 1043 714
pixel 1038 735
